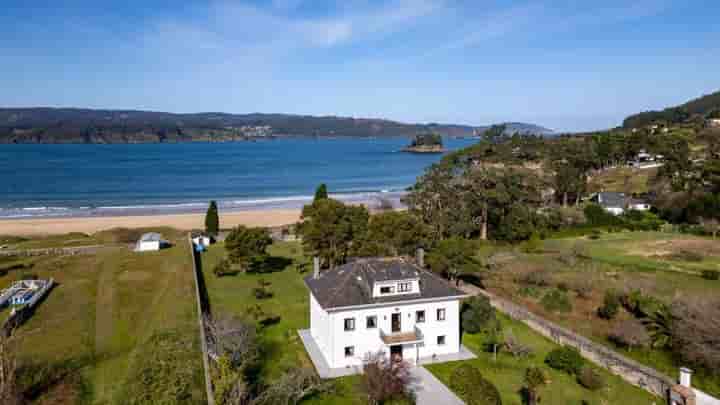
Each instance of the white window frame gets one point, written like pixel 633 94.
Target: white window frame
pixel 351 350
pixel 438 314
pixel 345 324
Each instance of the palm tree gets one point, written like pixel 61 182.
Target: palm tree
pixel 534 380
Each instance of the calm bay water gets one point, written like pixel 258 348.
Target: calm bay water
pixel 65 180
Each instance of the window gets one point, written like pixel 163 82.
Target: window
pixel 440 340
pixel 404 287
pixel 371 322
pixel 387 290
pixel 349 324
pixel 419 316
pixel 349 351
pixel 441 314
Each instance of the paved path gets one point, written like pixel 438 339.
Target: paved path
pixel 430 391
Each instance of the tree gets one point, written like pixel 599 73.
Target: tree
pixel 392 233
pixel 696 333
pixel 234 339
pixel 611 305
pixel 293 387
pixel 212 221
pixel 533 381
pixel 477 314
pixel 329 229
pixel 384 379
pixel 711 226
pixel 247 246
pixel 495 133
pixel 229 385
pixel 630 333
pixel 321 192
pixel 454 257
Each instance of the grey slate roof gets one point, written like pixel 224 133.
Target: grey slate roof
pixel 351 284
pixel 611 199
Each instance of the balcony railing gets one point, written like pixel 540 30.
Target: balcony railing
pixel 415 336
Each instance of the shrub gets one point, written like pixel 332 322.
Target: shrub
pixel 224 269
pixel 384 380
pixel 686 256
pixel 469 384
pixel 477 314
pixel 610 306
pixel 590 379
pixel 534 244
pixel 583 288
pixel 536 278
pixel 556 301
pixel 630 333
pixel 565 359
pixel 711 274
pixel 595 234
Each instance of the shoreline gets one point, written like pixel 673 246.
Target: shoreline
pixel 60 225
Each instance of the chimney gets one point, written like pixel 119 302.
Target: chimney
pixel 685 376
pixel 316 267
pixel 420 257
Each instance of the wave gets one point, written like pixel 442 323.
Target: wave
pixel 287 202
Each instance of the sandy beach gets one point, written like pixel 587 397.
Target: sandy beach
pixel 89 225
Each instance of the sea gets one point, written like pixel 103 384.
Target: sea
pixel 145 179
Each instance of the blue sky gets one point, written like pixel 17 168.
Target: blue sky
pixel 567 65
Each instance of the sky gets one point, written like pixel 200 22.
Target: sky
pixel 567 65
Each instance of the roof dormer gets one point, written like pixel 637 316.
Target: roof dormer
pixel 388 288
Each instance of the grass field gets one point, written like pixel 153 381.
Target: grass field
pixel 663 265
pixel 622 179
pixel 119 328
pixel 507 372
pixel 233 295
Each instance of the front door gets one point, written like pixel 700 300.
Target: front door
pixel 396 353
pixel 396 327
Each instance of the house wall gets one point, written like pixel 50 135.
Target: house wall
pixel 368 341
pixel 148 245
pixel 320 325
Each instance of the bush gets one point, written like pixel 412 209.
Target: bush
pixel 590 379
pixel 711 274
pixel 534 244
pixel 610 306
pixel 595 234
pixel 583 288
pixel 556 301
pixel 686 256
pixel 469 384
pixel 597 216
pixel 630 333
pixel 536 278
pixel 477 314
pixel 565 359
pixel 224 269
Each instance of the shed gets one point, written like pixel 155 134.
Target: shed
pixel 150 241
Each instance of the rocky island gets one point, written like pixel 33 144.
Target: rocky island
pixel 426 143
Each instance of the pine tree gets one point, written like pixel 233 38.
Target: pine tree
pixel 321 192
pixel 212 221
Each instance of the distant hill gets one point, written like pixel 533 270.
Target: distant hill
pixel 74 125
pixel 702 106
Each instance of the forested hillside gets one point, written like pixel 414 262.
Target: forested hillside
pixel 69 125
pixel 699 107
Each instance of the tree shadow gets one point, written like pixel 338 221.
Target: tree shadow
pixel 272 264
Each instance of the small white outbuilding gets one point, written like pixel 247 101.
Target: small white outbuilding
pixel 151 241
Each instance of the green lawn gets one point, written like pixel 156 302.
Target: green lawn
pixel 621 261
pixel 507 372
pixel 233 295
pixel 108 316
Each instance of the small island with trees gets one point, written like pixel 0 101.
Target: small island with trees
pixel 430 142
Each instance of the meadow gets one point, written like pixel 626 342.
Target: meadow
pixel 119 328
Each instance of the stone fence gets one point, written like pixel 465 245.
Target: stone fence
pixel 202 312
pixel 630 370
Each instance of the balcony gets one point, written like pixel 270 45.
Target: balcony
pixel 415 336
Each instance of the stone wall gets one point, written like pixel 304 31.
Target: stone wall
pixel 65 251
pixel 630 370
pixel 203 311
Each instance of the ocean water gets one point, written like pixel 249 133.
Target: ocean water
pixel 91 180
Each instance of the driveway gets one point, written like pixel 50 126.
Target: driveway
pixel 430 391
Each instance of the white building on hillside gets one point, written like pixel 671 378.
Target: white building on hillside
pixel 388 305
pixel 151 241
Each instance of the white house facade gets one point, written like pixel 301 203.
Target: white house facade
pixel 150 242
pixel 387 305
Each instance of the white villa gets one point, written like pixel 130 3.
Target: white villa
pixel 388 305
